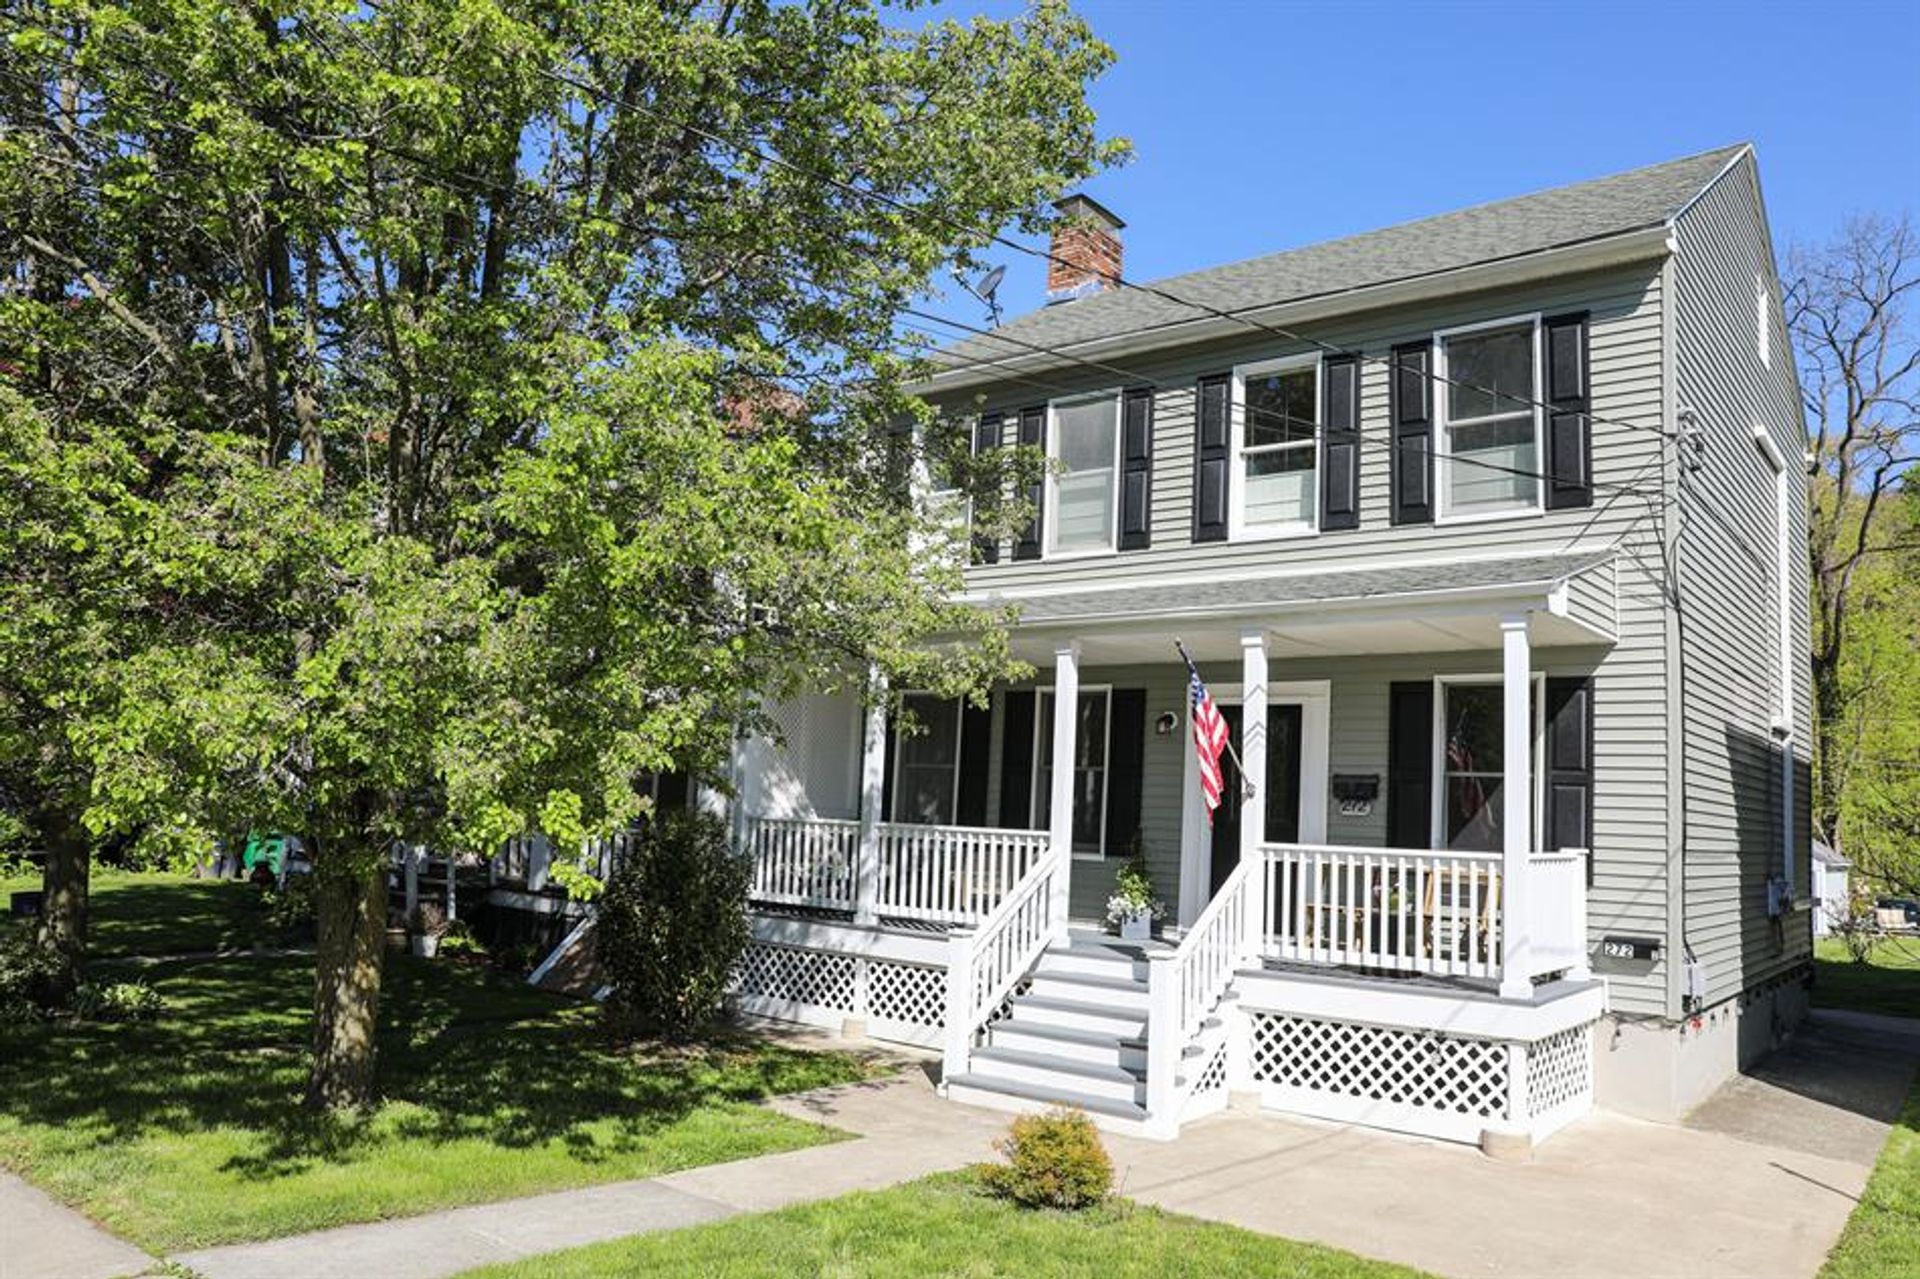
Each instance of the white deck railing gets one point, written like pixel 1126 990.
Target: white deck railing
pixel 951 874
pixel 1402 909
pixel 1219 942
pixel 804 861
pixel 987 963
pixel 1558 885
pixel 941 874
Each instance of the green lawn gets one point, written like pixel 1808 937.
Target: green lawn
pixel 187 1131
pixel 1882 1238
pixel 1888 983
pixel 945 1226
pixel 155 913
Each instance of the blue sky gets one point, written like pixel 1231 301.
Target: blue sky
pixel 1264 126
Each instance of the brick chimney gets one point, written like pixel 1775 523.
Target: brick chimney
pixel 1085 249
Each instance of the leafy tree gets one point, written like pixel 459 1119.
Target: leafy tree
pixel 512 389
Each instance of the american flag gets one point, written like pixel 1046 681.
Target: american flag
pixel 1210 734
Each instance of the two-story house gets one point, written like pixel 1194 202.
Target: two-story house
pixel 1485 533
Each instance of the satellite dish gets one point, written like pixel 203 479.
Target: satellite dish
pixel 985 290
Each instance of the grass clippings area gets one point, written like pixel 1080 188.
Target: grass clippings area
pixel 187 1131
pixel 946 1225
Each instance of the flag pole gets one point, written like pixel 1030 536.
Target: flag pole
pixel 1246 782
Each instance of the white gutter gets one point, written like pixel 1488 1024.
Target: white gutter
pixel 1646 244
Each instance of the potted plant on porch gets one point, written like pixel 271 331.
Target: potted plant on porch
pixel 429 921
pixel 1132 908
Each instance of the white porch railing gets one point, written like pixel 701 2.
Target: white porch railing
pixel 1185 985
pixel 941 874
pixel 951 874
pixel 804 861
pixel 1559 910
pixel 987 963
pixel 1403 909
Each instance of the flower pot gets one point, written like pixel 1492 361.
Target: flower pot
pixel 1137 926
pixel 425 945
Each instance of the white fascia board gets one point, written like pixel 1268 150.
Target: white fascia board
pixel 1646 244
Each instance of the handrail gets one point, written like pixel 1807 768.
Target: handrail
pixel 1216 944
pixel 986 963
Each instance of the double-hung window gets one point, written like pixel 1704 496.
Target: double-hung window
pixel 1490 454
pixel 1472 762
pixel 1276 424
pixel 1089 770
pixel 1084 443
pixel 926 781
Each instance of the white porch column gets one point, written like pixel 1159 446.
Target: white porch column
pixel 1253 742
pixel 1516 811
pixel 1066 723
pixel 873 782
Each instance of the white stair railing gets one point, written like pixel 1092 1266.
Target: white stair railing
pixel 1403 909
pixel 985 964
pixel 1185 985
pixel 951 874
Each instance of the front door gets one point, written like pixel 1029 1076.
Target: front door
pixel 1284 724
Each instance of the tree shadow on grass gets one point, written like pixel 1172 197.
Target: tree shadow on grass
pixel 463 1057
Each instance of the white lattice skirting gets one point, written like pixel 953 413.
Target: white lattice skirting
pixel 902 1002
pixel 1421 1081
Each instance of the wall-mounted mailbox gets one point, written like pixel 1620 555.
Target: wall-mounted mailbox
pixel 1354 793
pixel 1624 955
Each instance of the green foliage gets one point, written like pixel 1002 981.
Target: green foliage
pixel 1054 1160
pixel 118 1001
pixel 1879 1239
pixel 458 941
pixel 287 910
pixel 1133 892
pixel 29 976
pixel 672 925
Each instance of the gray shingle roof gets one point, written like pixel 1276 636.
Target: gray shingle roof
pixel 1202 596
pixel 1469 237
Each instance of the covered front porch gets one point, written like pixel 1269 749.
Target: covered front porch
pixel 1410 809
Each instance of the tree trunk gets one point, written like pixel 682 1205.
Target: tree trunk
pixel 63 917
pixel 350 903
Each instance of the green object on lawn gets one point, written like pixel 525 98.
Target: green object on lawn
pixel 271 849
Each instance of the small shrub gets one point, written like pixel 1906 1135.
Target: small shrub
pixel 672 925
pixel 429 919
pixel 118 1001
pixel 1054 1160
pixel 458 940
pixel 29 976
pixel 1860 932
pixel 289 910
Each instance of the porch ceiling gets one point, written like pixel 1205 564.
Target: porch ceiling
pixel 1414 608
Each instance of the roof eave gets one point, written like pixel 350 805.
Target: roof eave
pixel 1643 244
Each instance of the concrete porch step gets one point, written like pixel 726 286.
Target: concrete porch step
pixel 1121 1117
pixel 1090 1046
pixel 1115 1083
pixel 1077 1014
pixel 1122 994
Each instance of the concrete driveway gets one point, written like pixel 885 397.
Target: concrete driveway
pixel 1756 1185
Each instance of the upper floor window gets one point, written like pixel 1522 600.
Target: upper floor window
pixel 1084 441
pixel 1488 458
pixel 1276 422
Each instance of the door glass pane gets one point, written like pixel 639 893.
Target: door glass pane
pixel 929 761
pixel 1089 774
pixel 1085 439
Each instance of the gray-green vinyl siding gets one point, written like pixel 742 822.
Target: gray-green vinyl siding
pixel 1727 591
pixel 1629 890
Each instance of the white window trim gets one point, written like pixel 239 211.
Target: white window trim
pixel 1042 731
pixel 1763 319
pixel 1237 528
pixel 900 759
pixel 1050 522
pixel 1442 442
pixel 1538 695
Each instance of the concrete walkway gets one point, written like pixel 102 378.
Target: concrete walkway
pixel 1756 1185
pixel 40 1239
pixel 905 1132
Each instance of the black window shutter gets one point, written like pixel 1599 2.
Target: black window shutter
pixel 1410 764
pixel 1410 393
pixel 976 731
pixel 1126 766
pixel 1340 443
pixel 1569 438
pixel 1136 471
pixel 1016 760
pixel 886 775
pixel 1033 434
pixel 1212 458
pixel 987 434
pixel 1569 788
